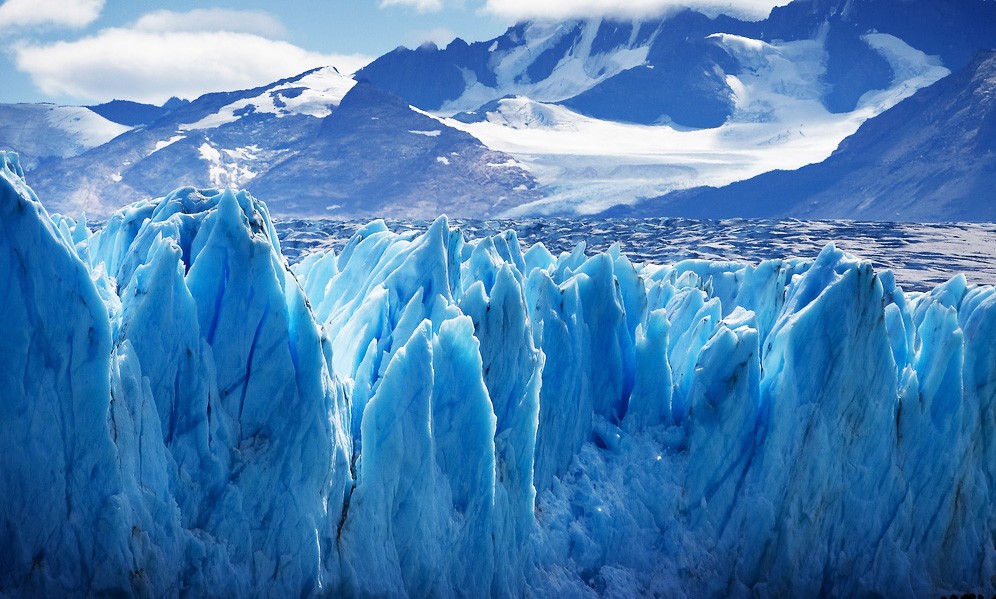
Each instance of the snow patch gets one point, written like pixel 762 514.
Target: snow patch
pixel 510 163
pixel 313 95
pixel 577 71
pixel 209 153
pixel 168 142
pixel 86 127
pixel 912 70
pixel 225 170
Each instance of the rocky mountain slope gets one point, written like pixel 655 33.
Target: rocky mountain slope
pixel 931 157
pixel 380 156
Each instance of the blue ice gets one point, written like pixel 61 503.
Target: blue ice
pixel 422 414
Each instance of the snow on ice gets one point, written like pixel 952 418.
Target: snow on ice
pixel 423 414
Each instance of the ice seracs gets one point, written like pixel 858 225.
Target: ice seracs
pixel 200 383
pixel 424 414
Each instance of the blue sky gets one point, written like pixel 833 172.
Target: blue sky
pixel 89 51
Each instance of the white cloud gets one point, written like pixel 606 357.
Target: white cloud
pixel 440 36
pixel 419 5
pixel 213 19
pixel 60 13
pixel 151 66
pixel 518 10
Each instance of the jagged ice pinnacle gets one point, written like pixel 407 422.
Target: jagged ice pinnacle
pixel 422 414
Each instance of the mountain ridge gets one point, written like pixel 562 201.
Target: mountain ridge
pixel 593 113
pixel 240 139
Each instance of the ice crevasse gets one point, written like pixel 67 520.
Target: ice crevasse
pixel 420 414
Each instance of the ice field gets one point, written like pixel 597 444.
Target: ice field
pixel 427 413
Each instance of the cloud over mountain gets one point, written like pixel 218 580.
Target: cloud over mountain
pixel 213 19
pixel 564 9
pixel 168 53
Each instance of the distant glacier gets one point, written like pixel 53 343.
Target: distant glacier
pixel 423 414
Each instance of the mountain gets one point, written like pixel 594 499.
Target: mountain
pixel 45 132
pixel 556 62
pixel 585 164
pixel 133 114
pixel 932 157
pixel 609 113
pixel 220 139
pixel 376 155
pixel 582 117
pixel 671 69
pixel 682 79
pixel 287 139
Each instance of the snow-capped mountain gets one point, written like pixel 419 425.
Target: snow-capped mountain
pixel 605 113
pixel 931 157
pixel 377 155
pixel 587 165
pixel 288 136
pixel 209 142
pixel 42 132
pixel 676 69
pixel 548 118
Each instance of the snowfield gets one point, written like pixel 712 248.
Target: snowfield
pixel 425 414
pixel 588 165
pixel 314 95
pixel 45 131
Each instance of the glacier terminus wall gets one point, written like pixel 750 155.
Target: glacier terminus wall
pixel 421 414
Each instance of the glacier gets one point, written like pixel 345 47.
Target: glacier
pixel 182 412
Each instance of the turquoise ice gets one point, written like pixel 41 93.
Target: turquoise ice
pixel 422 414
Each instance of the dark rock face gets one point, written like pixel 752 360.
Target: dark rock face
pixel 133 114
pixel 683 81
